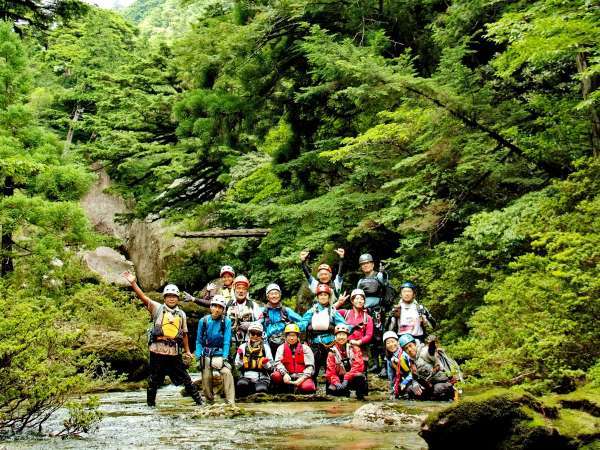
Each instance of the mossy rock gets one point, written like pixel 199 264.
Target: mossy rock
pixel 512 421
pixel 123 354
pixel 278 398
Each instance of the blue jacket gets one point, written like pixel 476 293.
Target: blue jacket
pixel 214 337
pixel 272 319
pixel 321 337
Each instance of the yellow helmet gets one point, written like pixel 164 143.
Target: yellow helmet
pixel 291 328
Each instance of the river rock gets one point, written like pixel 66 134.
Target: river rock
pixel 221 410
pixel 380 416
pixel 108 265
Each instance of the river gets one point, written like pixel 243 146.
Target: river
pixel 129 424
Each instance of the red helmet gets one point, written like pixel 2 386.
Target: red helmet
pixel 241 279
pixel 323 288
pixel 324 267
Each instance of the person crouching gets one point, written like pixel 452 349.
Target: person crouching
pixel 294 364
pixel 254 361
pixel 345 367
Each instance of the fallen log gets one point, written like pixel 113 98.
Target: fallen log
pixel 228 233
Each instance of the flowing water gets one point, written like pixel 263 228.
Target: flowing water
pixel 129 423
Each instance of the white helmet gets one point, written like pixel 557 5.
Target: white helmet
pixel 356 292
pixel 273 287
pixel 218 300
pixel 256 326
pixel 389 334
pixel 342 328
pixel 171 289
pixel 227 269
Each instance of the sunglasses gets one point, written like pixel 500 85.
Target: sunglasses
pixel 255 333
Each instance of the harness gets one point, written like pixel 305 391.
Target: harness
pixel 340 361
pixel 204 336
pixel 283 316
pixel 156 331
pixel 253 357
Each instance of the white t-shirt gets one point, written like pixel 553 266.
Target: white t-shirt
pixel 410 322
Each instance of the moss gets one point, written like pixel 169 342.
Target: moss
pixel 512 419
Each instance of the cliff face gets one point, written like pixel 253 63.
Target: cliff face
pixel 146 244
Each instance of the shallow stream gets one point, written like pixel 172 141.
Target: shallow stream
pixel 129 423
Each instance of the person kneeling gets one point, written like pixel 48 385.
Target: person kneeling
pixel 254 362
pixel 345 361
pixel 401 369
pixel 294 364
pixel 212 349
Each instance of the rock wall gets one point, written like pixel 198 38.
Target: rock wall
pixel 147 244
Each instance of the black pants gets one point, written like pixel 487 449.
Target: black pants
pixel 358 384
pixel 246 386
pixel 320 352
pixel 171 365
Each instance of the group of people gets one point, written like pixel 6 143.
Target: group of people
pixel 251 348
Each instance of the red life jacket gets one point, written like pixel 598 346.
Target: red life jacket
pixel 294 363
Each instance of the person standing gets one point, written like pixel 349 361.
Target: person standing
pixel 374 285
pixel 213 341
pixel 167 336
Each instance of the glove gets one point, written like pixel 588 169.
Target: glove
pixel 339 386
pixel 309 327
pixel 344 384
pixel 287 378
pixel 188 297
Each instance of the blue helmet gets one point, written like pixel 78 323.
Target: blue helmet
pixel 405 339
pixel 408 284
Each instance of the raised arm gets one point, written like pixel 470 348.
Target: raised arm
pixel 138 291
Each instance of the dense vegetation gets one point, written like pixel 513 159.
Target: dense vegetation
pixel 458 141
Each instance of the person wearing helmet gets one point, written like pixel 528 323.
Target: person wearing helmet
pixel 226 289
pixel 345 367
pixel 274 317
pixel 166 337
pixel 439 370
pixel 213 342
pixel 294 364
pixel 409 316
pixel 241 310
pixel 374 285
pixel 319 322
pixel 254 362
pixel 324 274
pixel 402 371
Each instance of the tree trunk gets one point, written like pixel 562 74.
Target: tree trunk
pixel 76 115
pixel 219 233
pixel 6 242
pixel 589 85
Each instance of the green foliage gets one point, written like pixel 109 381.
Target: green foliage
pixel 451 140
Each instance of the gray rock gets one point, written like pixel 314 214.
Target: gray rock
pixel 108 265
pixel 381 417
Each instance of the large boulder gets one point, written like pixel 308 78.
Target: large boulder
pixel 380 416
pixel 108 265
pixel 510 421
pixel 121 353
pixel 151 244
